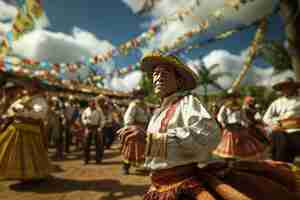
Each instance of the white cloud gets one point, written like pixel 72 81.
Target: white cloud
pixel 231 63
pixel 135 5
pixel 7 11
pixel 245 15
pixel 60 47
pixel 63 48
pixel 57 47
pixel 126 83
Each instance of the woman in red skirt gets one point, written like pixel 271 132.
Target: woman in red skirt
pixel 238 141
pixel 135 120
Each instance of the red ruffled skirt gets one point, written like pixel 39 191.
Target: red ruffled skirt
pixel 133 151
pixel 240 144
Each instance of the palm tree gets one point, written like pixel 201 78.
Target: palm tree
pixel 207 77
pixel 290 13
pixel 274 53
pixel 258 38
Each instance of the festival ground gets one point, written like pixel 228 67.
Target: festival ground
pixel 74 181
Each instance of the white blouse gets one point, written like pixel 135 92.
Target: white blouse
pixel 283 108
pixel 227 115
pixel 36 108
pixel 135 114
pixel 191 135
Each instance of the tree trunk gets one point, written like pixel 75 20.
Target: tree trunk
pixel 258 38
pixel 289 14
pixel 205 95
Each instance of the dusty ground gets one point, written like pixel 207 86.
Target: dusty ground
pixel 74 181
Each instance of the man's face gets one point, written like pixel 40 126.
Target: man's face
pixel 93 105
pixel 164 81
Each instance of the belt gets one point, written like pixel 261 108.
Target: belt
pixel 27 127
pixel 290 123
pixel 173 175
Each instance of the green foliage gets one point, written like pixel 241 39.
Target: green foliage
pixel 263 96
pixel 274 53
pixel 208 77
pixel 146 84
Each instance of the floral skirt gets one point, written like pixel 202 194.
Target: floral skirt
pixel 240 144
pixel 240 180
pixel 23 152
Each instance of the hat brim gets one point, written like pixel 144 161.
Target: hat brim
pixel 286 84
pixel 188 76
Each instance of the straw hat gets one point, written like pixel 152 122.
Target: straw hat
pixel 187 74
pixel 287 83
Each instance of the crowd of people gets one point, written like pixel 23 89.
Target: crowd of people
pixel 230 152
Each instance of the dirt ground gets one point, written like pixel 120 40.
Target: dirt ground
pixel 72 180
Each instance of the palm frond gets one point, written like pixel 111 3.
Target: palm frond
pixel 274 53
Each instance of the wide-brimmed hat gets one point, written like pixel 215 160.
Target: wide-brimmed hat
pixel 187 74
pixel 286 83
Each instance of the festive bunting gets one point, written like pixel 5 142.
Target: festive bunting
pixel 58 73
pixel 29 12
pixel 33 9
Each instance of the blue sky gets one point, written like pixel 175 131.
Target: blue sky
pixel 111 20
pixel 114 21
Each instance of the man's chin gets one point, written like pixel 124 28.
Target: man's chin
pixel 158 92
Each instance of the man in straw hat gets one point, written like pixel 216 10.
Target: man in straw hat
pixel 181 134
pixel 283 117
pixel 93 120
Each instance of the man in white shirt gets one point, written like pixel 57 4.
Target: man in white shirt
pixel 283 119
pixel 93 120
pixel 181 134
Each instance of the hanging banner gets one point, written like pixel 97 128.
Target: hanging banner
pixel 29 13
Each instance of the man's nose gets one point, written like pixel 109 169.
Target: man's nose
pixel 157 76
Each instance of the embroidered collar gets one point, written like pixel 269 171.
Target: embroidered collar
pixel 171 98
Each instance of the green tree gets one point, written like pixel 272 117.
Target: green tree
pixel 274 53
pixel 208 77
pixel 289 12
pixel 146 84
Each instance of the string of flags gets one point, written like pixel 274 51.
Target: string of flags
pixel 134 43
pixel 56 72
pixel 29 12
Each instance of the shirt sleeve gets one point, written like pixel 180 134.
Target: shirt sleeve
pixel 199 128
pixel 40 108
pixel 271 115
pixel 101 118
pixel 222 117
pixel 129 116
pixel 84 117
pixel 15 106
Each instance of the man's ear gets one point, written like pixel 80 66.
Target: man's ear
pixel 179 82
